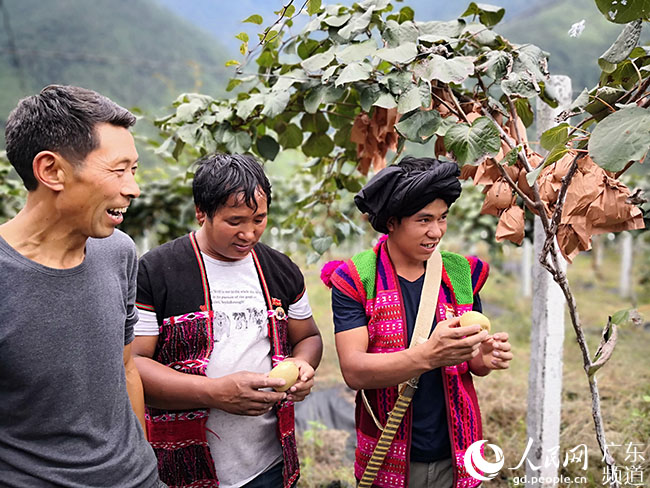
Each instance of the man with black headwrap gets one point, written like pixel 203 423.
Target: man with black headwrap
pixel 375 299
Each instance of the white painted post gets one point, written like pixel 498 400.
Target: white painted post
pixel 625 279
pixel 527 268
pixel 547 335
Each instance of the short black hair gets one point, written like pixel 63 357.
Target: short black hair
pixel 218 176
pixel 61 119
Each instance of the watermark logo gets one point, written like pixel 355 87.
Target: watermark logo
pixel 474 460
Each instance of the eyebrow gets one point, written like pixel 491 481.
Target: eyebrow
pixel 422 215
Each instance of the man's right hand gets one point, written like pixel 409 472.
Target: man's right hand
pixel 240 393
pixel 451 344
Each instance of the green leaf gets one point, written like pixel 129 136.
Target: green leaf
pixel 242 36
pixel 558 135
pixel 318 61
pixel 313 6
pixel 580 102
pixel 290 137
pixel 479 34
pixel 531 59
pixel 621 137
pixel 245 107
pixel 621 13
pixel 399 81
pixel 534 174
pixel 321 94
pixel 254 19
pixel 233 83
pixel 307 47
pixel 511 158
pixel 318 145
pixel 453 70
pixel 410 100
pixel 357 24
pixel 524 111
pixel 621 317
pixel 419 126
pixel 519 85
pixel 446 124
pixel 369 96
pixel 237 142
pixel 622 47
pixel 357 51
pixel 385 100
pixel 267 147
pixel 321 244
pixel 396 34
pixel 497 64
pixel 353 72
pixel 232 62
pixel 471 143
pixel 438 30
pixel 548 94
pixel 402 54
pixel 313 99
pixel 275 103
pixel 376 4
pixel 316 123
pixel 328 73
pixel 337 20
pixel 488 15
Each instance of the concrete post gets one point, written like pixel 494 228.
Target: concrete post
pixel 547 336
pixel 625 279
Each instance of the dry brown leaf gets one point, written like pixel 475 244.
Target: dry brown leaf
pixel 374 137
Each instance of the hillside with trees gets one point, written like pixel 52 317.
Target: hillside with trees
pixel 138 53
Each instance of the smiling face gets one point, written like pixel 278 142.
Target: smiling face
pixel 99 190
pixel 234 228
pixel 414 238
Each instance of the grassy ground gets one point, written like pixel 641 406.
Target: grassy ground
pixel 624 384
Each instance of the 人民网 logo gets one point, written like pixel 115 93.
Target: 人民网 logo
pixel 474 461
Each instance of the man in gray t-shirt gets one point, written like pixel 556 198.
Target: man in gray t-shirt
pixel 71 404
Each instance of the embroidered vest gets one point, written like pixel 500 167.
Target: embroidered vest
pixel 185 343
pixel 370 279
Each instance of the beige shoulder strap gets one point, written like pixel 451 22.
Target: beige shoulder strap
pixel 424 319
pixel 428 299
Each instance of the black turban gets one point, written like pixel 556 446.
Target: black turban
pixel 401 190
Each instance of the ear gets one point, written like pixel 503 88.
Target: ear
pixel 391 224
pixel 48 168
pixel 200 215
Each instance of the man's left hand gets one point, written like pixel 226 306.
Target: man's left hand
pixel 496 351
pixel 305 382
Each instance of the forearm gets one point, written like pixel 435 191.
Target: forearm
pixel 172 390
pixel 478 367
pixel 309 349
pixel 135 392
pixel 362 370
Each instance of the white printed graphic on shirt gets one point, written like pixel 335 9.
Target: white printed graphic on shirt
pixel 245 445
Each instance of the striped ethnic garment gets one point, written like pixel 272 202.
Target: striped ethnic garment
pixel 370 279
pixel 185 344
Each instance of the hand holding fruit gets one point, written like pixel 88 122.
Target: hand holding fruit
pixel 298 375
pixel 473 317
pixel 495 351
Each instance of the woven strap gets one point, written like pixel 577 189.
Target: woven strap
pixel 426 310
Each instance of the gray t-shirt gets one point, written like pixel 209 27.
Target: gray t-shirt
pixel 65 416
